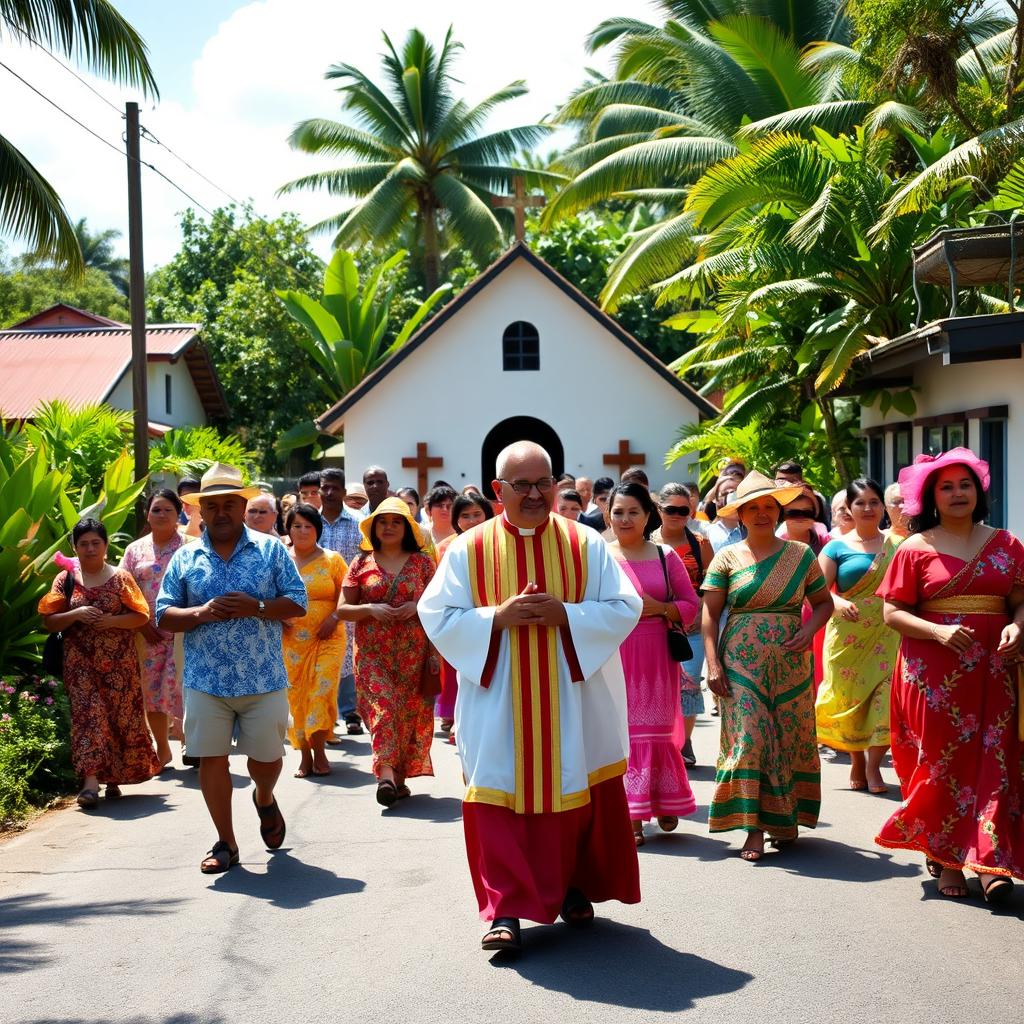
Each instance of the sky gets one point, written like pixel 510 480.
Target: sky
pixel 235 78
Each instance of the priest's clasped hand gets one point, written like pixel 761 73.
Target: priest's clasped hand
pixel 532 607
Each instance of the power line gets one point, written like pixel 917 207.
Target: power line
pixel 106 142
pixel 74 74
pixel 150 137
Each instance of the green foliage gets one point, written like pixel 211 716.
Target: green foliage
pixel 39 504
pixel 224 276
pixel 92 32
pixel 35 745
pixel 347 327
pixel 191 452
pixel 27 288
pixel 420 159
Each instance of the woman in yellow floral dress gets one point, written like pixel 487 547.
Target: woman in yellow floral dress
pixel 314 646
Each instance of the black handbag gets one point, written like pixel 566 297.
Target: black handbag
pixel 679 648
pixel 53 649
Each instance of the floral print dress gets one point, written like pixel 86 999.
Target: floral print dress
pixel 161 682
pixel 109 738
pixel 955 715
pixel 389 663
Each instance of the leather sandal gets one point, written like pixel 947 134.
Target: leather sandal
pixel 88 800
pixel 503 935
pixel 113 791
pixel 387 792
pixel 577 910
pixel 998 892
pixel 933 866
pixel 668 823
pixel 224 856
pixel 638 837
pixel 272 826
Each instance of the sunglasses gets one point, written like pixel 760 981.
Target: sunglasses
pixel 799 513
pixel 675 510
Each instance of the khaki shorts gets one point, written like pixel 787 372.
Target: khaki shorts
pixel 210 722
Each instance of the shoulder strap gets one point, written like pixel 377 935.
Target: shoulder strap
pixel 664 571
pixel 696 552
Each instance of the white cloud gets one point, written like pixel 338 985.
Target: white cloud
pixel 260 73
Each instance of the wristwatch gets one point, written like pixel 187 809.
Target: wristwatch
pixel 261 608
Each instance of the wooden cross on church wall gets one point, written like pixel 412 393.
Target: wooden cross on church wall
pixel 421 462
pixel 519 201
pixel 624 458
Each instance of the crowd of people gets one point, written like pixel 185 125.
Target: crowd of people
pixel 562 635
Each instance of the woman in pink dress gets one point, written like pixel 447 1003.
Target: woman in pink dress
pixel 656 782
pixel 146 559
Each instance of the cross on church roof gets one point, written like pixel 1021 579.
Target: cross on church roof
pixel 519 201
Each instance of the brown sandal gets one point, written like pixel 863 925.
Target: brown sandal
pixel 88 800
pixel 224 857
pixel 272 826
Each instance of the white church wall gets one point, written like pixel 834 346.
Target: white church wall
pixel 942 390
pixel 590 389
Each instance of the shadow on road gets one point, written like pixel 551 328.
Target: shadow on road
pixel 344 775
pixel 40 909
pixel 134 805
pixel 177 1018
pixel 287 883
pixel 824 858
pixel 686 844
pixel 189 779
pixel 420 807
pixel 589 966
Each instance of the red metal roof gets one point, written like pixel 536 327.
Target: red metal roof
pixel 64 316
pixel 84 364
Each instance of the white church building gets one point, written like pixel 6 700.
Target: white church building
pixel 520 354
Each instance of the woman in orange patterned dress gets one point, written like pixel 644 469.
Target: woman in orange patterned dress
pixel 382 586
pixel 110 743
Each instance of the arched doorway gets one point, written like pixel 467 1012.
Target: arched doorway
pixel 518 428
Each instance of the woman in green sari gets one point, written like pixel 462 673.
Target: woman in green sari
pixel 860 649
pixel 769 776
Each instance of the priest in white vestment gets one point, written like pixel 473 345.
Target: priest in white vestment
pixel 531 608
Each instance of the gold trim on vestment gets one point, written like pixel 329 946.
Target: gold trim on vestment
pixel 569 802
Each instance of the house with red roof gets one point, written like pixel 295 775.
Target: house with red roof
pixel 72 354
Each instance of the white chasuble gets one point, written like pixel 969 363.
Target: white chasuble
pixel 541 711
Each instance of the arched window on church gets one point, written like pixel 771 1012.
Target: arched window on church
pixel 520 347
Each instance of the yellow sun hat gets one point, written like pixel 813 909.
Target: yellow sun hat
pixel 394 507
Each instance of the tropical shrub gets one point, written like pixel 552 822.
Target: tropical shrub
pixel 35 745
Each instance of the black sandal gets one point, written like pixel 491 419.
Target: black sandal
pixel 934 867
pixel 88 799
pixel 577 910
pixel 223 855
pixel 509 926
pixel 998 892
pixel 387 792
pixel 272 826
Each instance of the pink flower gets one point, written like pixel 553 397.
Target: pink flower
pixel 49 700
pixel 63 562
pixel 5 718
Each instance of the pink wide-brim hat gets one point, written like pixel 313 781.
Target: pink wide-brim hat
pixel 914 479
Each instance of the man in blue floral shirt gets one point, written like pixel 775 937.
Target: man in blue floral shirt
pixel 228 593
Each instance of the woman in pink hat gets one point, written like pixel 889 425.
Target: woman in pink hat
pixel 955 593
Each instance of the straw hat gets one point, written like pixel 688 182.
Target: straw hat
pixel 756 485
pixel 394 507
pixel 220 479
pixel 914 479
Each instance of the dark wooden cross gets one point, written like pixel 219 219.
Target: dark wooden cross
pixel 624 458
pixel 519 201
pixel 421 462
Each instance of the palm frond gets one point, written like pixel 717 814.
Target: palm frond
pixel 358 180
pixel 469 219
pixel 611 30
pixel 379 215
pixel 622 118
pixel 322 135
pixel 896 117
pixel 90 31
pixel 463 122
pixel 31 211
pixel 833 116
pixel 589 102
pixel 500 145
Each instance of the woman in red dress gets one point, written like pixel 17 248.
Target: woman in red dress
pixel 381 588
pixel 955 592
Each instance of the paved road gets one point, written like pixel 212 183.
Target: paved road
pixel 369 916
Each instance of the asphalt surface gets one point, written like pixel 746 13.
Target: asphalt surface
pixel 368 915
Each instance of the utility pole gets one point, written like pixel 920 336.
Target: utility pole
pixel 137 293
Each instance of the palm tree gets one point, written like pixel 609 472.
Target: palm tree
pixel 98 252
pixel 30 208
pixel 681 93
pixel 420 157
